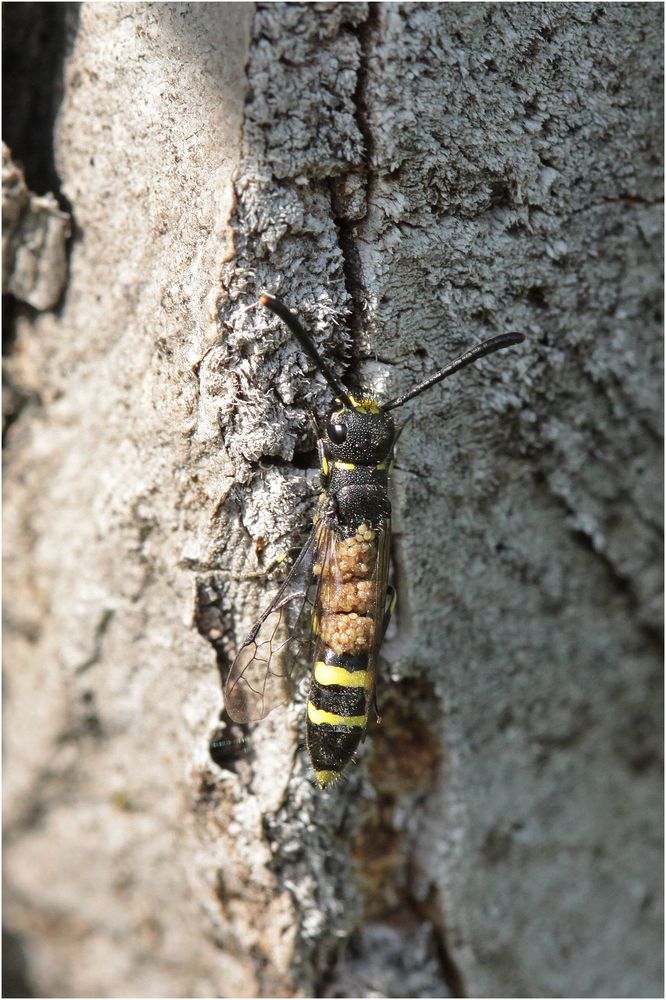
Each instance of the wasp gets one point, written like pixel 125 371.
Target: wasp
pixel 339 583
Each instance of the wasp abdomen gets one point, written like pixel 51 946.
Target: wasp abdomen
pixel 337 711
pixel 342 680
pixel 347 595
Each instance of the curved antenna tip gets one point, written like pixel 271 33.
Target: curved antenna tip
pixel 503 340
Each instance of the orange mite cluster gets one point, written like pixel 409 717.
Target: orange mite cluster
pixel 355 595
pixel 348 594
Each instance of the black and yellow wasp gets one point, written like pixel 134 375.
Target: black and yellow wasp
pixel 339 581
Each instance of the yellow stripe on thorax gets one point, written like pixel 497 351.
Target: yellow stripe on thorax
pixel 328 673
pixel 364 405
pixel 319 716
pixel 348 466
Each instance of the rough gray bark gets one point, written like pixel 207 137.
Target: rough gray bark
pixel 412 178
pixel 34 236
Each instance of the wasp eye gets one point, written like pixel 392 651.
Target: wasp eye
pixel 337 432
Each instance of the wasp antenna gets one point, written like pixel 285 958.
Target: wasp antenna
pixel 305 340
pixel 468 358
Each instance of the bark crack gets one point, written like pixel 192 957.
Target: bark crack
pixel 347 221
pixel 351 194
pixel 101 629
pixel 429 912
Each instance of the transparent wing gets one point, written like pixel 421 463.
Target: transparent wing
pixel 380 578
pixel 259 677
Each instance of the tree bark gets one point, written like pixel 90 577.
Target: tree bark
pixel 411 178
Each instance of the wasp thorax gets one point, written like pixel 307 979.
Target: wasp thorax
pixel 360 435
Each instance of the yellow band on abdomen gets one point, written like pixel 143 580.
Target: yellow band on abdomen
pixel 326 777
pixel 319 716
pixel 327 673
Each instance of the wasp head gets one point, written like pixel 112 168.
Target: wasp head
pixel 363 435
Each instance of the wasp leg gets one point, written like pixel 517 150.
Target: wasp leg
pixel 267 571
pixel 289 553
pixel 375 705
pixel 323 463
pixel 392 600
pixel 226 752
pixel 401 429
pixel 313 420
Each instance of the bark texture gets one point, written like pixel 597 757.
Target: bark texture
pixel 34 235
pixel 412 178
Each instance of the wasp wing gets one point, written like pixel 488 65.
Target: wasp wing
pixel 259 677
pixel 380 611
